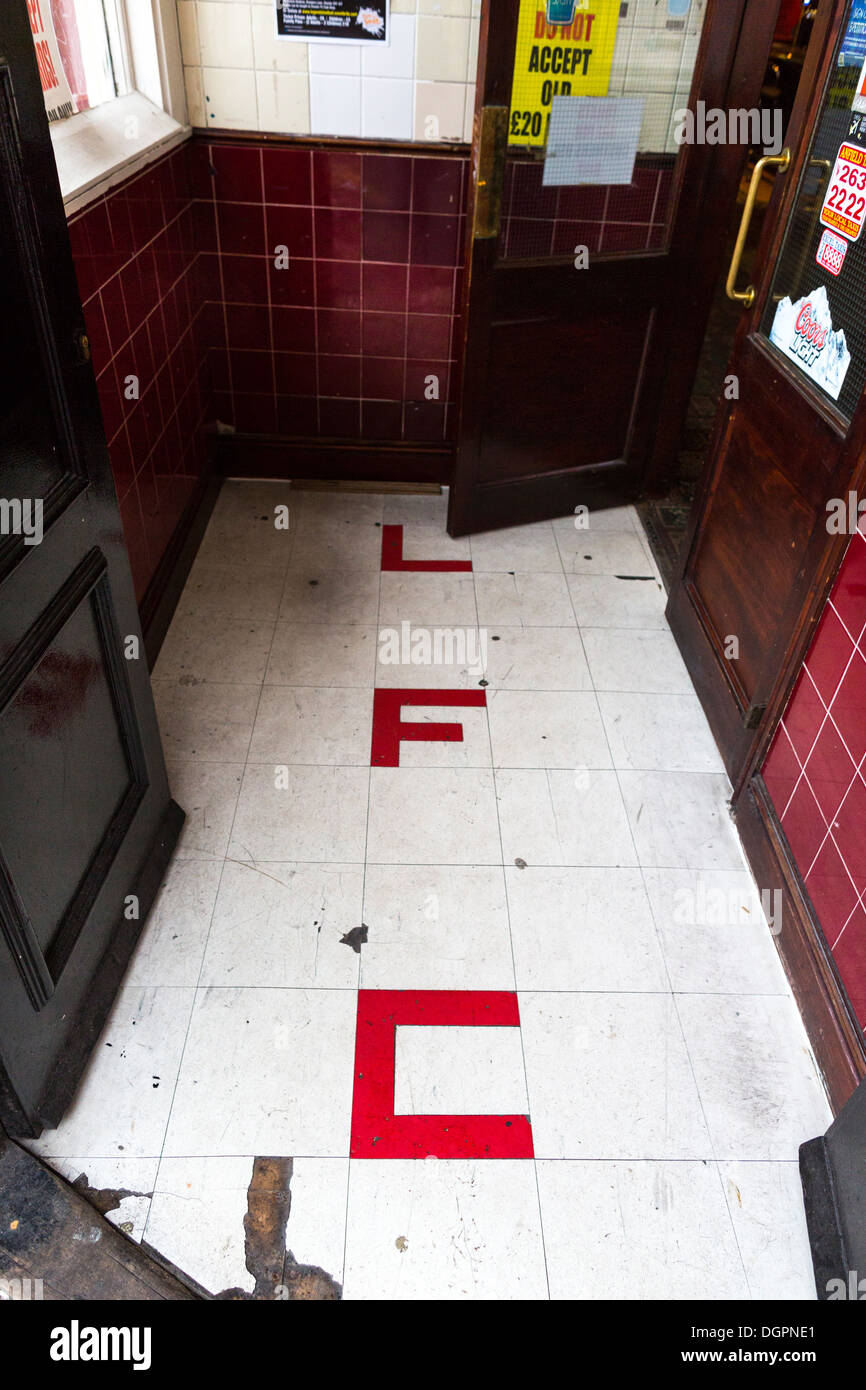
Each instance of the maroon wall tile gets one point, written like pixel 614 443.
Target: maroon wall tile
pixel 386 236
pixel 821 747
pixel 387 183
pixel 177 276
pixel 337 179
pixel 385 288
pixel 237 173
pixel 136 253
pixel 338 233
pixel 338 284
pixel 288 176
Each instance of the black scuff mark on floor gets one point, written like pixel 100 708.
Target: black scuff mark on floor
pixel 356 938
pixel 278 1275
pixel 640 578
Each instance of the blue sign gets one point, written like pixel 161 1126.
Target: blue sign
pixel 853 51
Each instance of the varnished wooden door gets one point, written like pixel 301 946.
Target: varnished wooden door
pixel 576 379
pixel 86 820
pixel 760 555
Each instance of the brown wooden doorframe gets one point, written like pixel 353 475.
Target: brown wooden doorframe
pixel 745 718
pixel 674 290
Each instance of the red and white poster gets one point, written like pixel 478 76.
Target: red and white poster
pixel 844 207
pixel 59 101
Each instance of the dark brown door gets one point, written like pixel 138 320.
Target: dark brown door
pixel 763 545
pixel 86 821
pixel 576 379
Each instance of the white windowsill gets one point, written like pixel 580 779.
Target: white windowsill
pixel 94 152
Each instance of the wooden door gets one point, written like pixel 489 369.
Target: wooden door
pixel 578 368
pixel 86 820
pixel 759 556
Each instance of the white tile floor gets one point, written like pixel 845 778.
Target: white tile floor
pixel 575 848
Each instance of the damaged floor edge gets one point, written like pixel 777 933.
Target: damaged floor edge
pixel 51 1232
pixel 59 1232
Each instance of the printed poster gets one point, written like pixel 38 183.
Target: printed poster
pixel 59 101
pixel 569 58
pixel 804 332
pixel 844 207
pixel 333 19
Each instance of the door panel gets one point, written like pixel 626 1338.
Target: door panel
pixel 553 366
pixel 758 555
pixel 566 394
pixel 86 821
pixel 736 542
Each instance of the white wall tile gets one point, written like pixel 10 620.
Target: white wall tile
pixel 472 57
pixel 469 117
pixel 398 58
pixel 433 50
pixel 443 49
pixel 329 56
pixel 284 102
pixel 230 98
pixel 445 7
pixel 225 35
pixel 335 104
pixel 439 110
pixel 386 108
pixel 271 52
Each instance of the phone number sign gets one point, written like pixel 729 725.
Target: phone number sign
pixel 844 207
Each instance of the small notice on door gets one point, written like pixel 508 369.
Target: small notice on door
pixel 592 140
pixel 569 57
pixel 333 19
pixel 804 332
pixel 59 101
pixel 832 251
pixel 844 207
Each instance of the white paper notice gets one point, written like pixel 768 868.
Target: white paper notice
pixel 592 140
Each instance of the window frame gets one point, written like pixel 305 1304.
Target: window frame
pixel 94 149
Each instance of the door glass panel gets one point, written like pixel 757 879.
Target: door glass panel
pixel 609 48
pixel 816 310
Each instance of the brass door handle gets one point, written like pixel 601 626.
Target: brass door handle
pixel 781 162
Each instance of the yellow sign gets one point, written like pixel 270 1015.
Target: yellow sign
pixel 558 60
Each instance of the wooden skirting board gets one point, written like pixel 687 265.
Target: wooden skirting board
pixel 278 456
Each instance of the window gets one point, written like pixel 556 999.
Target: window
pixel 112 79
pixel 79 52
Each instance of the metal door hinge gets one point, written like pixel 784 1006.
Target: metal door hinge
pixel 81 348
pixel 753 716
